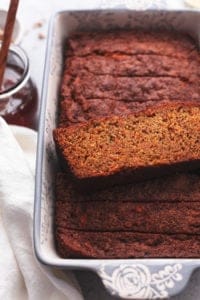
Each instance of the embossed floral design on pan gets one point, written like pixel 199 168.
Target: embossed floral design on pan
pixel 137 282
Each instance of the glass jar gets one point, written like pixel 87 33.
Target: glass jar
pixel 18 93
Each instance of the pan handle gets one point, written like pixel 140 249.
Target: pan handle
pixel 156 280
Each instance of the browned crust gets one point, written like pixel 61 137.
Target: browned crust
pixel 95 61
pixel 130 42
pixel 184 187
pixel 129 216
pixel 149 111
pixel 110 245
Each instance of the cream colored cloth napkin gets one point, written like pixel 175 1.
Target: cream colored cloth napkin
pixel 21 275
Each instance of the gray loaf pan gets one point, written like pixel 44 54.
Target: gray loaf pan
pixel 125 278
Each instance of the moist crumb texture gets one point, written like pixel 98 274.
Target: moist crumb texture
pixel 155 138
pixel 129 111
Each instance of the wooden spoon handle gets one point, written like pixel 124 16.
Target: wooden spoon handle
pixel 7 36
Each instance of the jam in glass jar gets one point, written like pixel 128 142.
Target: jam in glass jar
pixel 18 93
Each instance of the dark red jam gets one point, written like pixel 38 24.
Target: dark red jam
pixel 21 107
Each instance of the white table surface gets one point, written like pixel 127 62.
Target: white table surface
pixel 30 13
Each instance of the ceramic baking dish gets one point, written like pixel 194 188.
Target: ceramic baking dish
pixel 128 279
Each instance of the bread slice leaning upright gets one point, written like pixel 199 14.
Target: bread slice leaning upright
pixel 143 145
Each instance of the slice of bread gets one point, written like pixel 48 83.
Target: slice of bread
pixel 143 145
pixel 73 243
